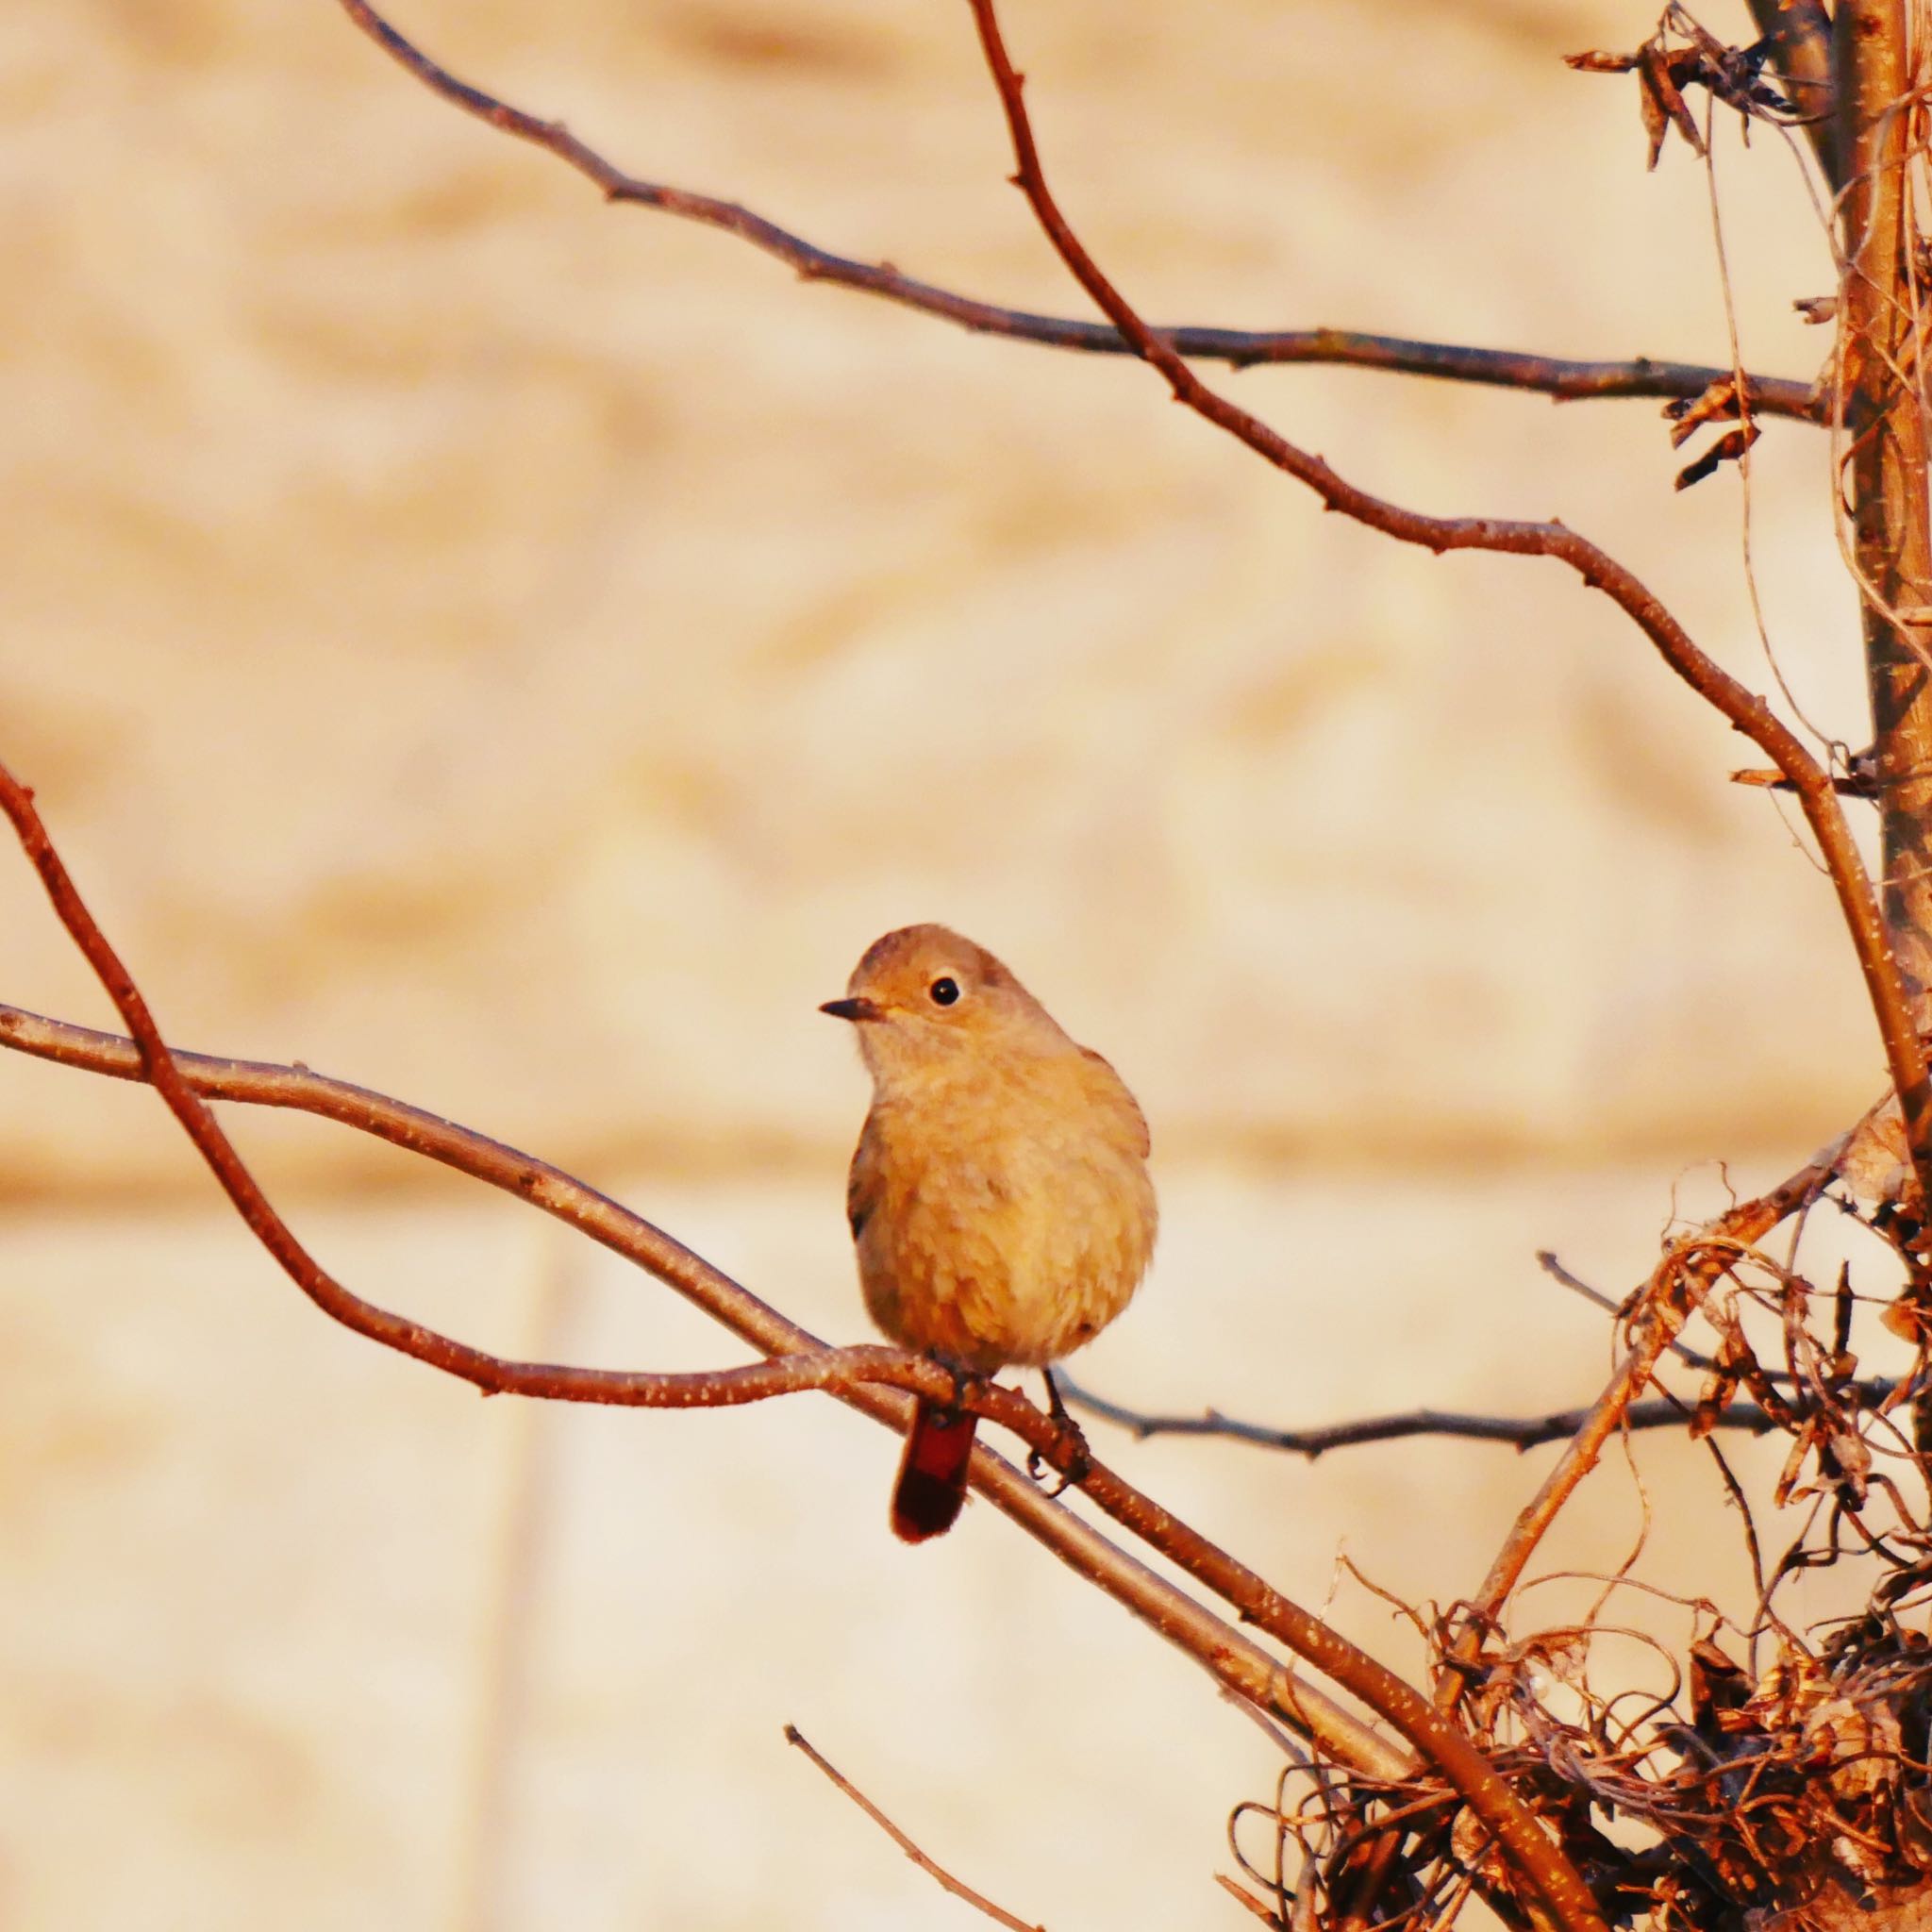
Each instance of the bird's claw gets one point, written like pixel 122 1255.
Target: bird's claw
pixel 1069 1448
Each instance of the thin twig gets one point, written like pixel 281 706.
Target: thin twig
pixel 1875 1387
pixel 1260 1908
pixel 930 1866
pixel 1518 1432
pixel 1554 1268
pixel 1860 782
pixel 1682 1279
pixel 1562 379
pixel 1598 569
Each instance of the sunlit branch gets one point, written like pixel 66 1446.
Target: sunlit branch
pixel 1746 711
pixel 1560 378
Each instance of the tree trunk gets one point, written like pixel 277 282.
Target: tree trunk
pixel 1884 455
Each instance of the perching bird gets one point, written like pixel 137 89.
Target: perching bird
pixel 999 1195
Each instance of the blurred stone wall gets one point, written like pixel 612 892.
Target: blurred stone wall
pixel 514 652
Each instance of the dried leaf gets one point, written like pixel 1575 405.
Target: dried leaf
pixel 1712 1400
pixel 1908 1317
pixel 1874 1163
pixel 1597 61
pixel 1565 1654
pixel 1726 449
pixel 1682 54
pixel 1717 1684
pixel 1718 399
pixel 1657 121
pixel 1660 87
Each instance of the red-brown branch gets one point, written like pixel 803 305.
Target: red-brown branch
pixel 1432 1733
pixel 1747 711
pixel 1562 379
pixel 860 1378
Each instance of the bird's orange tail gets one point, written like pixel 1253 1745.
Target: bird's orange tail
pixel 932 1474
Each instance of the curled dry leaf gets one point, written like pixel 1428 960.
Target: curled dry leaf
pixel 1564 1654
pixel 1728 448
pixel 1718 401
pixel 1874 1165
pixel 1682 54
pixel 1662 100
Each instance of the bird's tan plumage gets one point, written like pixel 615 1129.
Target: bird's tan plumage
pixel 999 1195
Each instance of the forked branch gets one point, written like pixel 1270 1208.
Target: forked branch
pixel 1746 711
pixel 1556 1894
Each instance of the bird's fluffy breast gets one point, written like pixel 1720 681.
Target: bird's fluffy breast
pixel 1006 1216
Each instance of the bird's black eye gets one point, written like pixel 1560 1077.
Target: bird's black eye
pixel 943 991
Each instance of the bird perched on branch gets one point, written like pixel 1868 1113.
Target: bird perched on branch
pixel 999 1195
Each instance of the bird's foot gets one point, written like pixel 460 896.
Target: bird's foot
pixel 966 1385
pixel 1069 1446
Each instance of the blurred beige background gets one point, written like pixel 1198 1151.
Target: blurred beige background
pixel 514 652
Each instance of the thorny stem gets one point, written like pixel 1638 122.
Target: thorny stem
pixel 1682 1279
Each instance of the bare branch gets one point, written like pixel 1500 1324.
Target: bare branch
pixel 1682 1279
pixel 1555 1268
pixel 794 1735
pixel 1747 711
pixel 1860 781
pixel 1518 1432
pixel 1875 1387
pixel 1429 1730
pixel 1562 379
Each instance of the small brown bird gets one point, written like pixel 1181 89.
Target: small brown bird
pixel 999 1195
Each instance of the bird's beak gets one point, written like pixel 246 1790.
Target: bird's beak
pixel 853 1010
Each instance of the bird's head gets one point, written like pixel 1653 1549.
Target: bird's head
pixel 925 996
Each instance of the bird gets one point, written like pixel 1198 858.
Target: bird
pixel 999 1196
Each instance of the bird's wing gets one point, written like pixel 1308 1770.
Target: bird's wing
pixel 1108 1086
pixel 863 1182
